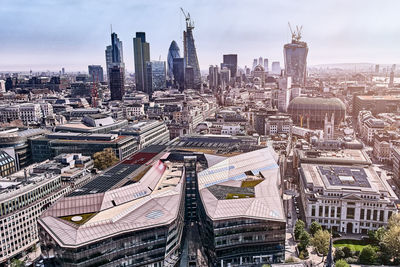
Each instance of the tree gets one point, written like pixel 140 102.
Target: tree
pixel 304 240
pixel 298 228
pixel 314 227
pixel 390 241
pixel 394 220
pixel 341 263
pixel 339 254
pixel 104 159
pixel 347 252
pixel 320 241
pixel 17 263
pixel 368 255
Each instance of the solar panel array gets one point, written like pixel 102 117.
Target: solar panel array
pixel 105 181
pixel 333 173
pixel 113 176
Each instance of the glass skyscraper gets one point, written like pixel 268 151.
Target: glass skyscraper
pixel 141 50
pixel 115 68
pixel 295 55
pixel 156 76
pixel 96 73
pixel 230 61
pixel 192 69
pixel 173 52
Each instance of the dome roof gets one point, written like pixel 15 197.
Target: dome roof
pixel 259 68
pixel 317 103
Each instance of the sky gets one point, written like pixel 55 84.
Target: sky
pixel 51 34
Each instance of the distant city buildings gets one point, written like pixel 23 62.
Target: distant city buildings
pixel 96 73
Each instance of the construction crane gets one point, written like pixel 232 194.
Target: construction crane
pixel 296 34
pixel 189 22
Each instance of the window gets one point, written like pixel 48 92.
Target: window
pixel 350 213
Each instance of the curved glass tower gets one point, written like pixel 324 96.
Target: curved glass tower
pixel 295 55
pixel 173 52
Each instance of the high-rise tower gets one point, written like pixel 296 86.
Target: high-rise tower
pixel 191 62
pixel 115 68
pixel 295 55
pixel 141 50
pixel 173 52
pixel 230 61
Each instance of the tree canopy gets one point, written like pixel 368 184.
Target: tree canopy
pixel 104 159
pixel 320 241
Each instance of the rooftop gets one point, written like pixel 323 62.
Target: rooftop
pixel 243 186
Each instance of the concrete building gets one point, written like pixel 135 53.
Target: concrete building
pixel 23 197
pixel 343 192
pixel 375 104
pixel 278 124
pixel 146 132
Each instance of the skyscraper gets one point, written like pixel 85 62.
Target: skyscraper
pixel 266 68
pixel 213 77
pixel 173 52
pixel 255 63
pixel 141 50
pixel 155 76
pixel 295 55
pixel 116 80
pixel 230 61
pixel 193 78
pixel 179 72
pixel 96 71
pixel 260 61
pixel 115 68
pixel 276 68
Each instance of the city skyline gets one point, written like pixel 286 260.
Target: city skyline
pixel 43 40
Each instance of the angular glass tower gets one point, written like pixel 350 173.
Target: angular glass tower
pixel 190 55
pixel 295 55
pixel 173 52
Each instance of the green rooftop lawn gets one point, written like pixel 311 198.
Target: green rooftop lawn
pixel 236 196
pixel 251 183
pixel 85 217
pixel 355 245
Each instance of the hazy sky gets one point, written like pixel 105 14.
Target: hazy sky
pixel 50 34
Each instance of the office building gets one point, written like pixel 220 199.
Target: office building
pixel 23 198
pixel 231 62
pixel 115 68
pixel 50 145
pixel 192 68
pixel 173 52
pixel 266 67
pixel 155 76
pixel 16 142
pixel 117 82
pixel 295 56
pixel 214 78
pixel 376 104
pixel 141 50
pixel 146 132
pixel 179 72
pixel 241 213
pixel 121 217
pixel 278 124
pixel 96 73
pixel 92 123
pixel 276 68
pixel 344 193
